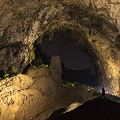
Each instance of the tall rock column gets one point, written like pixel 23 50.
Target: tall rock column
pixel 56 69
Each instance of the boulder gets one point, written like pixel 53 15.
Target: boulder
pixel 36 96
pixel 98 108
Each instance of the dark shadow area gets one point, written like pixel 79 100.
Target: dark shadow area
pixel 45 59
pixel 2 74
pixel 117 41
pixel 79 62
pixel 96 109
pixel 40 57
pixel 84 76
pixel 26 68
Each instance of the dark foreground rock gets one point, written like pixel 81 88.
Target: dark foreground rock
pixel 96 109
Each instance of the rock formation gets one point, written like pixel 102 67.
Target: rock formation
pixel 98 108
pixel 36 95
pixel 56 69
pixel 96 22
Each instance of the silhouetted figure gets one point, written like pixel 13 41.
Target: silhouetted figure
pixel 103 93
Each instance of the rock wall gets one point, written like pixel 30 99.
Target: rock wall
pixel 97 22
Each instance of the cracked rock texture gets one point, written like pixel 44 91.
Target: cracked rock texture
pixel 96 21
pixel 36 95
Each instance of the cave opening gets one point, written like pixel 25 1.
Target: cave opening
pixel 79 62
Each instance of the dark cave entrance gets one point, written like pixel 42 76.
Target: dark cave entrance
pixel 79 63
pixel 83 76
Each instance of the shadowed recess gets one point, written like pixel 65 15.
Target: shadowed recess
pixel 79 62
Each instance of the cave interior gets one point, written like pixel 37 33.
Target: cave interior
pixel 79 62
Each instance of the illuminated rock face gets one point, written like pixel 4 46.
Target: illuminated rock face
pixel 96 22
pixel 36 95
pixel 22 98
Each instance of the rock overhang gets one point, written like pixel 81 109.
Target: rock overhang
pixel 94 21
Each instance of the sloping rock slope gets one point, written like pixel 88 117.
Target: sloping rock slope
pixel 96 109
pixel 36 95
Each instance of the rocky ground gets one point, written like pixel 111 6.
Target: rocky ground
pixel 37 94
pixel 95 24
pixel 96 109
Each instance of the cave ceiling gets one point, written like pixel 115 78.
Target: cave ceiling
pixel 97 23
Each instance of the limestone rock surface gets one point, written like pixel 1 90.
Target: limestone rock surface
pixel 36 96
pixel 56 69
pixel 97 22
